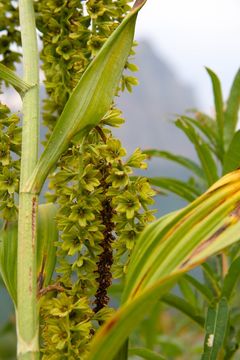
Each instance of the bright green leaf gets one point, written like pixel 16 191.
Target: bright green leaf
pixel 91 98
pixel 231 279
pixel 184 307
pixel 145 354
pixel 231 159
pixel 216 325
pixel 232 110
pixel 167 249
pixel 187 163
pixel 178 187
pixel 219 105
pixel 203 151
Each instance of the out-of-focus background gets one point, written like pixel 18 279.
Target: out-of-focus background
pixel 176 40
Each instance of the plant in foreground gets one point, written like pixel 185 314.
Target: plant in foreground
pixel 99 210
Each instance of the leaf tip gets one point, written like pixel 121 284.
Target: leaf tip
pixel 138 4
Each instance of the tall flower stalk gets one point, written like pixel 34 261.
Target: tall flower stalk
pixel 88 160
pixel 27 312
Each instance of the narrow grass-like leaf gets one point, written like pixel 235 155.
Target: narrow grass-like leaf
pixel 46 250
pixel 231 159
pixel 146 354
pixel 216 326
pixel 231 279
pixel 208 128
pixel 188 292
pixel 9 76
pixel 178 187
pixel 166 250
pixel 202 148
pixel 232 110
pixel 205 124
pixel 8 255
pixel 211 279
pixel 47 237
pixel 201 288
pixel 184 307
pixel 219 105
pixel 181 160
pixel 91 98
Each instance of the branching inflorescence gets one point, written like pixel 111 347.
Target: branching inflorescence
pixel 101 207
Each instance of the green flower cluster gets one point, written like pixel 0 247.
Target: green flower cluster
pixel 72 32
pixel 10 37
pixel 101 208
pixel 67 329
pixel 10 147
pixel 92 175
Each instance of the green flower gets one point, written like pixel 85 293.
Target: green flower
pixel 8 181
pixel 137 160
pixel 65 49
pixel 113 118
pixel 95 43
pixel 113 150
pixel 119 177
pixel 127 203
pixel 89 178
pixel 95 8
pixel 144 190
pixel 4 153
pixel 81 214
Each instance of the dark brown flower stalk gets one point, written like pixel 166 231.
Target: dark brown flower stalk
pixel 105 259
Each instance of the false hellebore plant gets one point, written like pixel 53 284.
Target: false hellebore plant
pixel 99 209
pixel 95 211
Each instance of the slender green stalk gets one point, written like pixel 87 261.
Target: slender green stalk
pixel 27 313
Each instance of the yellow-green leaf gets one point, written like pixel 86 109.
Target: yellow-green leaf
pixel 167 249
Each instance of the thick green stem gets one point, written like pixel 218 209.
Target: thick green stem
pixel 27 311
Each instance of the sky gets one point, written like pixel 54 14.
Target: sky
pixel 192 34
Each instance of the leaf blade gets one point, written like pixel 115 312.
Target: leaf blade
pixel 219 105
pixel 187 163
pixel 232 109
pixel 90 99
pixel 178 187
pixel 231 160
pixel 140 296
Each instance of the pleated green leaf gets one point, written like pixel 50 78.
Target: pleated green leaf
pixel 46 250
pixel 216 325
pixel 232 110
pixel 166 250
pixel 231 159
pixel 91 98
